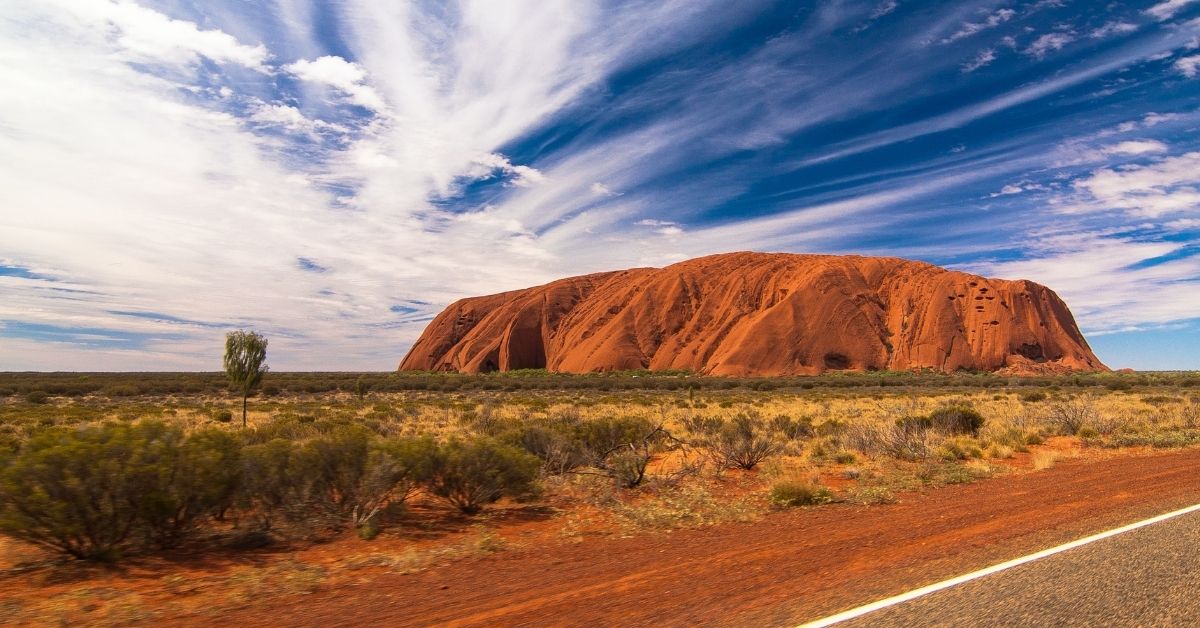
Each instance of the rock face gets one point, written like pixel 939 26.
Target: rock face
pixel 745 314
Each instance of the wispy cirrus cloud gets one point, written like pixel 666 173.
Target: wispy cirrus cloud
pixel 1188 66
pixel 215 167
pixel 1167 10
pixel 968 29
pixel 984 58
pixel 1048 43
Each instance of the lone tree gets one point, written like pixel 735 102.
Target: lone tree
pixel 245 352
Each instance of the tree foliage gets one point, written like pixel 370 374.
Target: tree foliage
pixel 245 357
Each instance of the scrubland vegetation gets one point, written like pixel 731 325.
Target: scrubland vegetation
pixel 116 467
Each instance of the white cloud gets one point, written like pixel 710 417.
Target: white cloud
pixel 599 189
pixel 290 118
pixel 143 34
pixel 522 176
pixel 1154 119
pixel 970 28
pixel 1167 186
pixel 983 58
pixel 1048 43
pixel 1135 147
pixel 1110 283
pixel 1167 10
pixel 1017 188
pixel 1182 224
pixel 1189 66
pixel 345 76
pixel 1009 189
pixel 1113 28
pixel 884 8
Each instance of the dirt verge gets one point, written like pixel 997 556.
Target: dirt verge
pixel 786 568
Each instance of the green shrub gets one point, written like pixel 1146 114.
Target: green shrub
pixel 275 482
pixel 124 390
pixel 179 481
pixel 224 416
pixel 1034 396
pixel 831 427
pixel 619 447
pixel 915 423
pixel 957 419
pixel 74 491
pixel 793 492
pixel 960 449
pixel 361 387
pixel 555 444
pixel 355 476
pixel 36 396
pixel 793 429
pixel 471 474
pixel 601 437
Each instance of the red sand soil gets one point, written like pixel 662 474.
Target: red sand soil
pixel 747 314
pixel 786 568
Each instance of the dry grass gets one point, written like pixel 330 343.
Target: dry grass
pixel 1043 460
pixel 692 506
pixel 482 541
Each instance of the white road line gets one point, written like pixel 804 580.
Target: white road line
pixel 946 584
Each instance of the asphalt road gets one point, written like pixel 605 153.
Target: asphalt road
pixel 1145 577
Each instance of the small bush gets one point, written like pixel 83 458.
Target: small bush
pixel 223 416
pixel 361 387
pixel 956 419
pixel 471 474
pixel 620 447
pixel 182 481
pixel 793 429
pixel 37 396
pixel 125 390
pixel 555 444
pixel 275 482
pixel 1068 416
pixel 960 449
pixel 742 442
pixel 90 492
pixel 792 492
pixel 358 476
pixel 909 438
pixel 1034 396
pixel 1190 414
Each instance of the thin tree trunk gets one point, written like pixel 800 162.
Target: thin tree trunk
pixel 244 397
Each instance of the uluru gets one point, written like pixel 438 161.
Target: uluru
pixel 762 314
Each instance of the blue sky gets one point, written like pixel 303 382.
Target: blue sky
pixel 333 173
